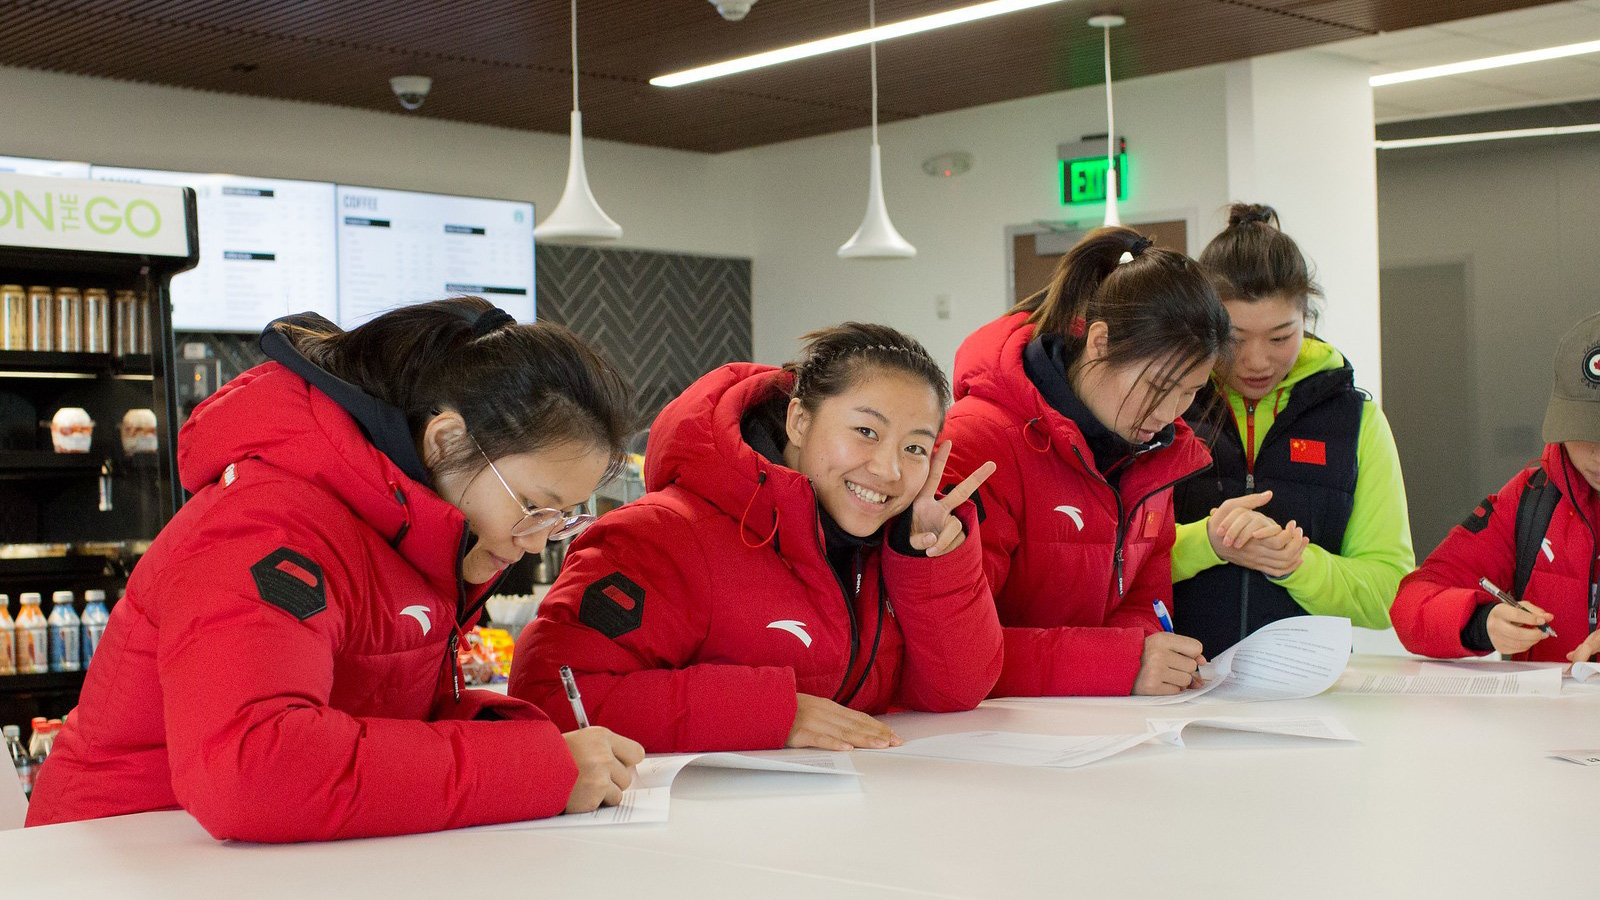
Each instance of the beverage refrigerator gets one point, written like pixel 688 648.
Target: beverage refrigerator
pixel 88 431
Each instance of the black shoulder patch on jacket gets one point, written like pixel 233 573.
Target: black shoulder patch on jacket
pixel 1479 520
pixel 613 606
pixel 291 582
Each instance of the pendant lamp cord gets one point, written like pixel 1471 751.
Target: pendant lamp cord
pixel 575 56
pixel 872 50
pixel 1111 122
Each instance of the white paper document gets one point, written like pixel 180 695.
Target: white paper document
pixel 1463 679
pixel 1285 660
pixel 1581 757
pixel 1070 751
pixel 649 797
pixel 1585 673
pixel 1324 728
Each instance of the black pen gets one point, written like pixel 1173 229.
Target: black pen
pixel 573 697
pixel 1506 598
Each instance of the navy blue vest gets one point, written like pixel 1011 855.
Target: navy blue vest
pixel 1308 460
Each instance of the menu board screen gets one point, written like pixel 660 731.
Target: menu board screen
pixel 51 168
pixel 266 249
pixel 402 247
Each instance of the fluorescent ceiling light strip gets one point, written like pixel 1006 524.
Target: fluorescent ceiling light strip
pixel 1488 62
pixel 1438 140
pixel 846 41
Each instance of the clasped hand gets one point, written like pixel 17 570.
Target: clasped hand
pixel 1242 535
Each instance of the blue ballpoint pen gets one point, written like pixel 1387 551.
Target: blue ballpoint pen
pixel 1162 616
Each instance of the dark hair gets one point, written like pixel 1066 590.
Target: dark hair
pixel 519 388
pixel 1158 305
pixel 1252 259
pixel 835 358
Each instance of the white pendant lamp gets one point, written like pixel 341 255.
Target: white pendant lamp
pixel 1105 23
pixel 577 218
pixel 876 238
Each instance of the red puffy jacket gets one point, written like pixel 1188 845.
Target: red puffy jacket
pixel 1074 564
pixel 1437 600
pixel 694 615
pixel 278 668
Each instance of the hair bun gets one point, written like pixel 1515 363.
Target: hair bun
pixel 1246 213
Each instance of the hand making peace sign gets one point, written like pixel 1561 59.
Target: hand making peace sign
pixel 933 529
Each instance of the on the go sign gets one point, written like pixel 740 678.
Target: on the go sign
pixel 98 216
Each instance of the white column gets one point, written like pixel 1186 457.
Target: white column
pixel 1300 136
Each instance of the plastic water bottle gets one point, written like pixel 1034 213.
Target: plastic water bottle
pixel 20 759
pixel 33 637
pixel 8 638
pixel 94 622
pixel 64 627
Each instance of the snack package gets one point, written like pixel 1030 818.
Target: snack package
pixel 499 645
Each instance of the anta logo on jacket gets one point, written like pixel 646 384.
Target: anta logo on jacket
pixel 740 609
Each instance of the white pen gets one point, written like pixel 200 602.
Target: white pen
pixel 573 697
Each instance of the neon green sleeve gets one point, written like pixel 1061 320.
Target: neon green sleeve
pixel 1192 552
pixel 1361 580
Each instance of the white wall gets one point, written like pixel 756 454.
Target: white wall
pixel 812 194
pixel 665 199
pixel 1300 139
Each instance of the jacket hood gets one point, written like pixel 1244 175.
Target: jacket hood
pixel 978 359
pixel 273 415
pixel 696 441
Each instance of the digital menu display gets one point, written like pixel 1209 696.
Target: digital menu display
pixel 49 168
pixel 403 247
pixel 266 249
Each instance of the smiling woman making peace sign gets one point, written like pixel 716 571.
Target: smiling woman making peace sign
pixel 792 571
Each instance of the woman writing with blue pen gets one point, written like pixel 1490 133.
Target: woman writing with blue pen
pixel 1076 395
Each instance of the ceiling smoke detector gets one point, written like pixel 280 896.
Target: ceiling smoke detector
pixel 733 10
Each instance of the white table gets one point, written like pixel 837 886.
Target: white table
pixel 1446 796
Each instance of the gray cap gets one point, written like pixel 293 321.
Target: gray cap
pixel 1574 410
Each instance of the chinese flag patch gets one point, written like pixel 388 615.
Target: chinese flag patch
pixel 1306 451
pixel 1152 523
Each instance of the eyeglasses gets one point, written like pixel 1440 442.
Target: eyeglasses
pixel 537 519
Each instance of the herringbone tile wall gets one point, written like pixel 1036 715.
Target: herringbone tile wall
pixel 662 319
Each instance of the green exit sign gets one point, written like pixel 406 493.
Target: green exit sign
pixel 1084 180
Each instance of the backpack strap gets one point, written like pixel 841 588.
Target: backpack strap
pixel 1535 507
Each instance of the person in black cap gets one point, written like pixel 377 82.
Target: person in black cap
pixel 1536 539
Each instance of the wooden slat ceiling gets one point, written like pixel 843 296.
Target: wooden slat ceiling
pixel 506 62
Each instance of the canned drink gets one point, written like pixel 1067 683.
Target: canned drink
pixel 13 317
pixel 96 321
pixel 41 318
pixel 124 322
pixel 69 320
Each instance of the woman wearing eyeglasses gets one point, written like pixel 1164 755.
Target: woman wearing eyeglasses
pixel 793 571
pixel 283 665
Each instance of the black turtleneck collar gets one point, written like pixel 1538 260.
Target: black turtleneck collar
pixel 1045 362
pixel 384 425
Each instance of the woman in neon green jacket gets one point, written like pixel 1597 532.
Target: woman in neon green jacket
pixel 1304 511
